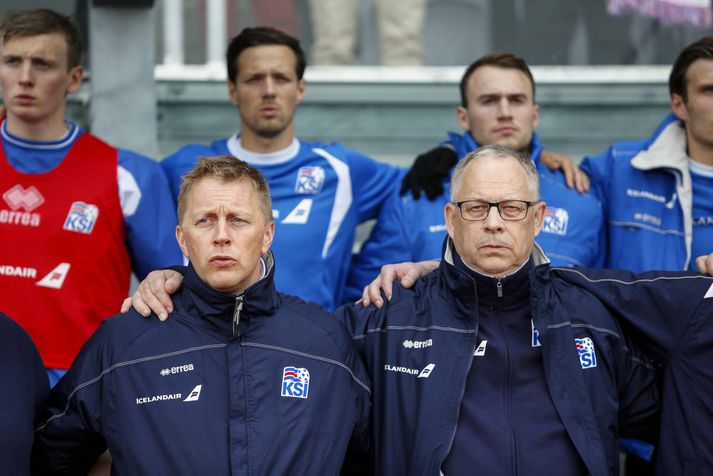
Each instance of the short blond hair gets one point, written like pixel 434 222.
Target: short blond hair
pixel 228 169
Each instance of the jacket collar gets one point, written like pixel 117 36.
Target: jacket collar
pixel 463 286
pixel 218 309
pixel 464 143
pixel 667 148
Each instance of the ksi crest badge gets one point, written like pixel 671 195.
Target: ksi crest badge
pixel 556 221
pixel 81 218
pixel 585 349
pixel 295 382
pixel 310 180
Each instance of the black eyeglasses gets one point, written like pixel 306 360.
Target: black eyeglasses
pixel 509 210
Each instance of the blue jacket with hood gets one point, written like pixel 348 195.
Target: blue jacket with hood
pixel 258 384
pixel 645 189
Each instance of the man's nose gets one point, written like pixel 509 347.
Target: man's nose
pixel 504 108
pixel 493 222
pixel 26 76
pixel 222 237
pixel 269 87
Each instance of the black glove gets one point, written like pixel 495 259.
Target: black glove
pixel 428 171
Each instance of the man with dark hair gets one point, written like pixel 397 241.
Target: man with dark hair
pixel 497 107
pixel 320 192
pixel 69 201
pixel 658 193
pixel 241 380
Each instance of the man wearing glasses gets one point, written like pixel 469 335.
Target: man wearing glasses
pixel 497 107
pixel 495 362
pixel 492 362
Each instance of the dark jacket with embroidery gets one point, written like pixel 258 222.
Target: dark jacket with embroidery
pixel 260 384
pixel 419 348
pixel 670 314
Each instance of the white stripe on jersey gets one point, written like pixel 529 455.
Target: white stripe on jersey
pixel 129 192
pixel 342 197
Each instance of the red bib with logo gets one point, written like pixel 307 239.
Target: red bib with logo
pixel 64 265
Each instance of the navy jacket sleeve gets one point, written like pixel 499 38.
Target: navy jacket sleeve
pixel 24 384
pixel 69 439
pixel 661 308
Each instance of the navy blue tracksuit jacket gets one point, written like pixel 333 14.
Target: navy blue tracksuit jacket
pixel 419 348
pixel 261 384
pixel 671 315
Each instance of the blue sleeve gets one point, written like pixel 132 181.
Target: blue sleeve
pixel 599 169
pixel 151 222
pixel 373 183
pixel 387 243
pixel 176 165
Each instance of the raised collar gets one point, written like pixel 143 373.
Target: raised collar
pixel 465 286
pixel 667 149
pixel 218 309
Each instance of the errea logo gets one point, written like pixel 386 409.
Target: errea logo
pixel 176 370
pixel 417 344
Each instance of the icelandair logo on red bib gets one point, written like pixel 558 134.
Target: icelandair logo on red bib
pixel 54 279
pixel 22 201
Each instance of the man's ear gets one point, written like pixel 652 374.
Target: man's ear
pixel 536 117
pixel 181 239
pixel 301 89
pixel 678 106
pixel 462 118
pixel 539 211
pixel 267 237
pixel 450 212
pixel 75 79
pixel 233 93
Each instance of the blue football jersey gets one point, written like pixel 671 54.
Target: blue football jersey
pixel 320 194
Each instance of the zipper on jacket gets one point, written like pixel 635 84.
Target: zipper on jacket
pixel 236 314
pixel 508 382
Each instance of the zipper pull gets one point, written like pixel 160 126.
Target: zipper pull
pixel 236 313
pixel 500 288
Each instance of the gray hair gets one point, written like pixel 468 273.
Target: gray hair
pixel 499 152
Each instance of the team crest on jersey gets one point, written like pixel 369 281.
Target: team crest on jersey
pixel 81 218
pixel 585 349
pixel 295 382
pixel 310 180
pixel 556 221
pixel 535 341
